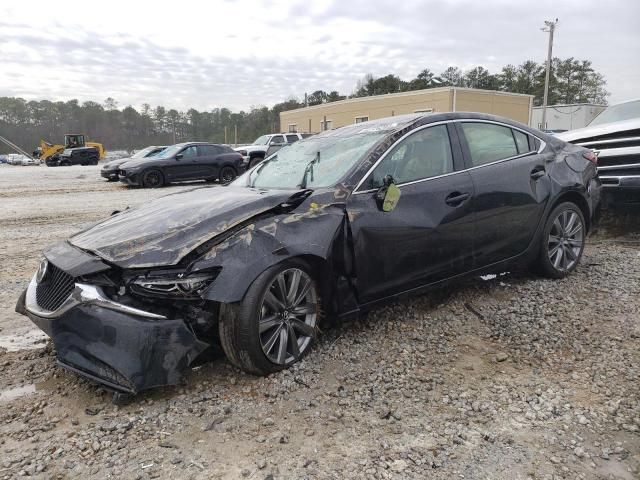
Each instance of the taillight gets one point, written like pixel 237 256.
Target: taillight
pixel 591 156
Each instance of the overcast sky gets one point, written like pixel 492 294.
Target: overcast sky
pixel 238 54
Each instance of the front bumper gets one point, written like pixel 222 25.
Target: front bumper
pixel 124 348
pixel 109 174
pixel 128 178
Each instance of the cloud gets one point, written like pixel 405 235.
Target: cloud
pixel 239 53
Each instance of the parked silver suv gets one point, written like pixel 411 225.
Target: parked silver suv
pixel 266 145
pixel 615 136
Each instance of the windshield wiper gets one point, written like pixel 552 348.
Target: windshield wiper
pixel 260 167
pixel 307 169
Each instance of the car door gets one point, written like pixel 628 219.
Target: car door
pixel 429 235
pixel 511 187
pixel 183 164
pixel 208 163
pixel 275 144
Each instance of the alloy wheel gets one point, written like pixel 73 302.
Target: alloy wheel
pixel 152 179
pixel 288 316
pixel 566 240
pixel 227 175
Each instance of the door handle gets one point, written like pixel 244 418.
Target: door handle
pixel 456 198
pixel 538 173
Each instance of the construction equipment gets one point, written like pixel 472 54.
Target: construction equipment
pixel 14 147
pixel 47 151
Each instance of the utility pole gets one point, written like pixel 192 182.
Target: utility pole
pixel 549 27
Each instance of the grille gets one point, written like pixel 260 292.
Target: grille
pixel 54 289
pixel 616 160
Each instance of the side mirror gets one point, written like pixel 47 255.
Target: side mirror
pixel 388 195
pixel 179 156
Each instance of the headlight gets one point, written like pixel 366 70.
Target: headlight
pixel 173 285
pixel 242 152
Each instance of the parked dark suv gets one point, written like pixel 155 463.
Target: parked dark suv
pixel 184 162
pixel 74 156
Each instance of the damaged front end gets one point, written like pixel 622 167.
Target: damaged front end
pixel 133 308
pixel 104 328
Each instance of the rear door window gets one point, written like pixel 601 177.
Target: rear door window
pixel 488 142
pixel 190 152
pixel 208 150
pixel 292 138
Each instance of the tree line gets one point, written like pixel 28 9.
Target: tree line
pixel 26 122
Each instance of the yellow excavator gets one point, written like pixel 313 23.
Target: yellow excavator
pixel 46 151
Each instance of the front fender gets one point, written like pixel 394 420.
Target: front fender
pixel 245 255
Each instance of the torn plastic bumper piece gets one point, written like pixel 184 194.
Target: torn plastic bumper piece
pixel 124 348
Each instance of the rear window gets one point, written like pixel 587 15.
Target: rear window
pixel 522 141
pixel 489 142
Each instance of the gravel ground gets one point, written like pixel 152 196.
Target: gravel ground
pixel 513 377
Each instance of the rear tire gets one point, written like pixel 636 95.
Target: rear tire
pixel 152 178
pixel 276 324
pixel 227 174
pixel 562 242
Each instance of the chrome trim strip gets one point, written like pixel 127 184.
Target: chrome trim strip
pixel 619 176
pixel 608 142
pixel 543 145
pixel 620 179
pixel 82 294
pixel 617 152
pixel 614 167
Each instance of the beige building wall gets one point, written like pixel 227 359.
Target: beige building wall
pixel 445 99
pixel 510 105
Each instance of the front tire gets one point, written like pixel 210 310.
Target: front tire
pixel 276 324
pixel 152 178
pixel 563 241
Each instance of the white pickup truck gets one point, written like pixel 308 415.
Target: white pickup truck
pixel 267 145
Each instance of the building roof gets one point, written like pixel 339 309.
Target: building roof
pixel 406 94
pixel 559 105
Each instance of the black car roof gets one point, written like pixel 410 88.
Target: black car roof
pixel 186 144
pixel 396 123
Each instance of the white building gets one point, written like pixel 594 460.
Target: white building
pixel 566 117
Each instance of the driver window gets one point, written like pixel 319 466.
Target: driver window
pixel 189 152
pixel 277 139
pixel 425 154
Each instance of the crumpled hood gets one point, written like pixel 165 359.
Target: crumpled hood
pixel 163 231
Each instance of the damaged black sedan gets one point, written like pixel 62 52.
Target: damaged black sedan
pixel 326 228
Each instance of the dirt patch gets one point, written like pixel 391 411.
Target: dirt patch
pixel 513 377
